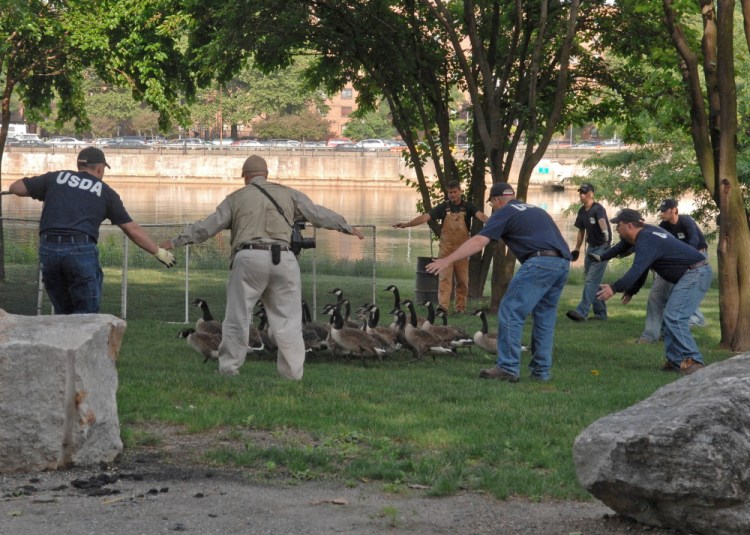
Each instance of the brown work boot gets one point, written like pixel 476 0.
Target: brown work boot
pixel 688 366
pixel 497 373
pixel 669 366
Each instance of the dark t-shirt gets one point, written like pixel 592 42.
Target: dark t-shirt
pixel 75 201
pixel 441 210
pixel 686 230
pixel 657 249
pixel 588 220
pixel 525 229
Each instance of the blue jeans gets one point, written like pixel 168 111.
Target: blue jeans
pixel 535 289
pixel 593 272
pixel 686 295
pixel 72 276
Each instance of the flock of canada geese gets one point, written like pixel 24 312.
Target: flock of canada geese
pixel 353 338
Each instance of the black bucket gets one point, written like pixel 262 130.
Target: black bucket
pixel 427 283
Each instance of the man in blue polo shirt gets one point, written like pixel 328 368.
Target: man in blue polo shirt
pixel 532 236
pixel 676 262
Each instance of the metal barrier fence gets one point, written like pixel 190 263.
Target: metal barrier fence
pixel 138 287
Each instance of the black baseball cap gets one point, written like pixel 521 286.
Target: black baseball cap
pixel 586 187
pixel 628 215
pixel 666 204
pixel 92 155
pixel 501 189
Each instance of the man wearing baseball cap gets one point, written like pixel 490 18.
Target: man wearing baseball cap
pixel 75 204
pixel 592 223
pixel 676 262
pixel 456 215
pixel 533 237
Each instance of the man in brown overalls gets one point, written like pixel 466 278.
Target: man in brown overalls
pixel 456 214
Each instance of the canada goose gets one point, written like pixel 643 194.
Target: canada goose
pixel 314 329
pixel 484 339
pixel 269 344
pixel 206 323
pixel 346 314
pixel 386 336
pixel 206 344
pixel 423 342
pixel 447 333
pixel 355 341
pixel 397 303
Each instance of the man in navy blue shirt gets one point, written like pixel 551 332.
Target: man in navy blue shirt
pixel 592 223
pixel 532 236
pixel 676 262
pixel 75 204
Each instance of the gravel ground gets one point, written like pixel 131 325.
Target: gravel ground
pixel 164 489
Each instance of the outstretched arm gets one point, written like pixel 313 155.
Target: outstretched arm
pixel 424 218
pixel 468 248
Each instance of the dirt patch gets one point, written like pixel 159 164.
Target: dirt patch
pixel 167 487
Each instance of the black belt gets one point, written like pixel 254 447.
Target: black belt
pixel 50 237
pixel 262 246
pixel 543 252
pixel 698 264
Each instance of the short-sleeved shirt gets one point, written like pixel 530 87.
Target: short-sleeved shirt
pixel 525 229
pixel 657 249
pixel 588 220
pixel 441 210
pixel 686 230
pixel 75 201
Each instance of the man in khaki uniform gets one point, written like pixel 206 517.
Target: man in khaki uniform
pixel 456 214
pixel 258 228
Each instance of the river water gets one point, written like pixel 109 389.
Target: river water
pixel 379 208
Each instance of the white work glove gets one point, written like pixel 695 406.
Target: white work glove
pixel 606 236
pixel 165 257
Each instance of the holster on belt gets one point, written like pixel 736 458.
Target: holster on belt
pixel 275 254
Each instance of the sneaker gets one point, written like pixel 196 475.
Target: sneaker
pixel 497 373
pixel 688 366
pixel 575 316
pixel 669 366
pixel 643 340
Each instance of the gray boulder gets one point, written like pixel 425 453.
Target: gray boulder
pixel 58 386
pixel 679 459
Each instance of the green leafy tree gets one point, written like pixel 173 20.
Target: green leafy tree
pixel 511 58
pixel 45 46
pixel 692 58
pixel 306 125
pixel 370 124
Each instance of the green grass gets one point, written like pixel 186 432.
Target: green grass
pixel 400 422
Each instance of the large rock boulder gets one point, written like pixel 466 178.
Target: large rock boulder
pixel 680 458
pixel 58 386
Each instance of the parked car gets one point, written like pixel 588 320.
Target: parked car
pixel 192 143
pixel 67 142
pixel 347 147
pixel 285 143
pixel 614 142
pixel 586 145
pixel 101 141
pixel 155 140
pixel 338 141
pixel 128 144
pixel 26 137
pixel 373 144
pixel 252 143
pixel 27 143
pixel 227 141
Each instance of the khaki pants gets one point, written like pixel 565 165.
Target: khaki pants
pixel 253 277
